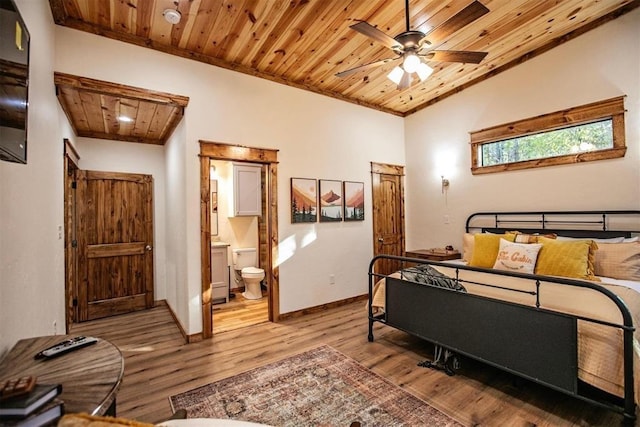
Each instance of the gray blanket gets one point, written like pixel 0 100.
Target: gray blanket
pixel 426 274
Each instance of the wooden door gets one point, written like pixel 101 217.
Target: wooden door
pixel 115 243
pixel 388 214
pixel 71 159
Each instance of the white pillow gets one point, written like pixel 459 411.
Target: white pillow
pixel 517 257
pixel 631 239
pixel 608 240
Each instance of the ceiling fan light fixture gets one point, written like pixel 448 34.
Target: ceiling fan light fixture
pixel 411 62
pixel 396 75
pixel 424 71
pixel 414 47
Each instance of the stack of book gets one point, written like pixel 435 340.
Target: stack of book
pixel 26 403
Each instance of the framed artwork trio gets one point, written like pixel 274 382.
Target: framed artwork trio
pixel 326 200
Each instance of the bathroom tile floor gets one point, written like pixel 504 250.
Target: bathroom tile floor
pixel 240 312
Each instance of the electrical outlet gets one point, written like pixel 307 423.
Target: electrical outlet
pixel 447 220
pixel 332 279
pixel 59 232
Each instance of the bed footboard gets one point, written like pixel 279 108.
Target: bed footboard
pixel 529 341
pixel 542 345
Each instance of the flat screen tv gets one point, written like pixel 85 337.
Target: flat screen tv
pixel 14 83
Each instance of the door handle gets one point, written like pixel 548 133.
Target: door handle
pixel 148 247
pixel 380 240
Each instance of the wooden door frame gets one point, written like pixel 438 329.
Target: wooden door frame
pixel 269 157
pixel 71 160
pixel 388 169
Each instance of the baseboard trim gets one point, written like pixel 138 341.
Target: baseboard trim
pixel 187 338
pixel 322 307
pixel 285 316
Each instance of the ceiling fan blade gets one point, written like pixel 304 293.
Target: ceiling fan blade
pixel 464 56
pixel 365 67
pixel 375 34
pixel 405 82
pixel 466 16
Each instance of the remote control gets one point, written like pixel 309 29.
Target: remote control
pixel 66 346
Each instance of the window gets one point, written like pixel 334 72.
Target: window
pixel 580 134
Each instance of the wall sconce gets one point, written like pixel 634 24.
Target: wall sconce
pixel 445 184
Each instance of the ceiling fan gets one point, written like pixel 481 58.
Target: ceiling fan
pixel 413 47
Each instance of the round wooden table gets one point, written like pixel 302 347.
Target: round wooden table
pixel 90 376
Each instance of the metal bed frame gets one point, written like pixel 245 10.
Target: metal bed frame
pixel 547 353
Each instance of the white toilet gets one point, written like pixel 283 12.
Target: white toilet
pixel 244 263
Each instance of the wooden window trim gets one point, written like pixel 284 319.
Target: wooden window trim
pixel 608 109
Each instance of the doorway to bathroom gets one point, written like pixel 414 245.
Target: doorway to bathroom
pixel 229 300
pixel 238 299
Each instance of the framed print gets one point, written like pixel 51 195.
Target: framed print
pixel 330 200
pixel 353 201
pixel 304 200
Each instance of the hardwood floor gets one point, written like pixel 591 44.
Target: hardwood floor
pixel 158 364
pixel 239 313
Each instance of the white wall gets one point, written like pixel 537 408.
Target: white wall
pixel 126 157
pixel 598 65
pixel 317 137
pixel 31 202
pixel 240 231
pixel 175 207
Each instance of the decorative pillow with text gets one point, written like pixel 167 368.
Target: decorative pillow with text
pixel 517 257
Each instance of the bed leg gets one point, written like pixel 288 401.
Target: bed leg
pixel 370 336
pixel 628 420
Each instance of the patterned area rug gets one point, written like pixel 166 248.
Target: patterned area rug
pixel 319 387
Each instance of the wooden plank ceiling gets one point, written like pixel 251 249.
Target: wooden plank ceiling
pixel 99 109
pixel 304 43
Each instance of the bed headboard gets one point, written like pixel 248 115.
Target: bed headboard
pixel 597 224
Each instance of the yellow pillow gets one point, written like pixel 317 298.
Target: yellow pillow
pixel 618 260
pixel 574 259
pixel 485 248
pixel 530 238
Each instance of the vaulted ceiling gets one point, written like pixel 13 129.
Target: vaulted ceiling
pixel 305 43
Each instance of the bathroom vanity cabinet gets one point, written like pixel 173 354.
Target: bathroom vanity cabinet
pixel 247 190
pixel 219 272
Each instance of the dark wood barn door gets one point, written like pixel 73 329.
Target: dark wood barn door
pixel 115 243
pixel 388 214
